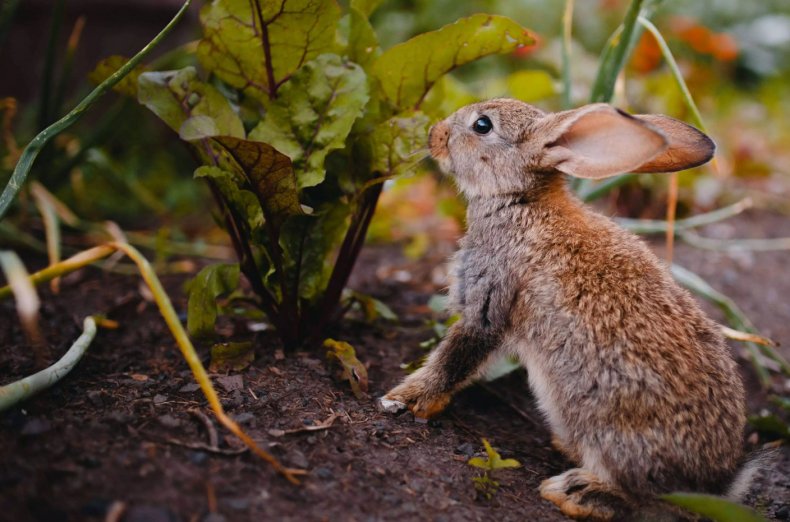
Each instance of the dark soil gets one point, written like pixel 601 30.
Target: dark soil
pixel 114 434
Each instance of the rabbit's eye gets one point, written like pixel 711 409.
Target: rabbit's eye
pixel 482 125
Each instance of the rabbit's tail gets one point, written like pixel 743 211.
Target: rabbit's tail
pixel 754 463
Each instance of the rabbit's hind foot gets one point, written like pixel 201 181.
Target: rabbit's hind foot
pixel 581 495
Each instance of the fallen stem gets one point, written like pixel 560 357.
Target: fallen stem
pixel 27 302
pixel 735 245
pixel 735 317
pixel 14 393
pixel 747 337
pixel 176 329
pixel 33 149
pixel 658 226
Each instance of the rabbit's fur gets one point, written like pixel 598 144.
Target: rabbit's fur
pixel 636 383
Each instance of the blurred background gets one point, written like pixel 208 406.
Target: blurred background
pixel 734 56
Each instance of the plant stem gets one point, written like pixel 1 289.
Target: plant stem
pixel 33 149
pixel 589 192
pixel 16 392
pixel 614 56
pixel 567 41
pixel 44 115
pixel 673 66
pixel 347 256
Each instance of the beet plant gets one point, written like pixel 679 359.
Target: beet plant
pixel 297 117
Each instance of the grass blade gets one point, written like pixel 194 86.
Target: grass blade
pixel 49 65
pixel 714 508
pixel 615 54
pixel 567 41
pixel 33 149
pixel 673 66
pixel 51 228
pixel 7 11
pixel 16 392
pixel 27 302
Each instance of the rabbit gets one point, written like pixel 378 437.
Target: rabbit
pixel 635 382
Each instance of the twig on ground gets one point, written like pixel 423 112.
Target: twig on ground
pixel 213 438
pixel 322 425
pixel 205 447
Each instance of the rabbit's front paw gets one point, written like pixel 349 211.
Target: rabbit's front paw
pixel 416 395
pixel 580 494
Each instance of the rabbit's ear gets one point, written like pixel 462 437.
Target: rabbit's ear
pixel 598 141
pixel 688 147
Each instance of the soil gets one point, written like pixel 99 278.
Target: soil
pixel 112 438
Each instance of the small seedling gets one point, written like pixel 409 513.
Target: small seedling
pixel 484 483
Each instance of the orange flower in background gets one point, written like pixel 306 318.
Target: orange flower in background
pixel 611 4
pixel 647 55
pixel 725 48
pixel 721 46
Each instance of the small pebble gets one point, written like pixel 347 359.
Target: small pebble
pixel 243 417
pixel 298 459
pixel 783 513
pixel 324 473
pixel 146 513
pixel 467 449
pixel 168 421
pixel 198 457
pixel 36 426
pixel 238 504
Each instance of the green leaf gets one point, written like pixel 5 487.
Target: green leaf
pixel 307 243
pixel 206 287
pixel 366 7
pixel 478 462
pixel 314 113
pixel 531 86
pixel 243 202
pixel 363 45
pixel 269 174
pixel 256 45
pixel 106 67
pixel 770 424
pixel 178 96
pixel 714 508
pixel 493 461
pixel 395 143
pixel 372 307
pixel 353 370
pixel 408 70
pixel 447 96
pixel 782 402
pixel 231 357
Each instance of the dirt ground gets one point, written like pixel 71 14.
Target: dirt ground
pixel 116 432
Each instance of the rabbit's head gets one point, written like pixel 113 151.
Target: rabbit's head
pixel 506 146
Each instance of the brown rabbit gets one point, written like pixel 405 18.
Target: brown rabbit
pixel 636 383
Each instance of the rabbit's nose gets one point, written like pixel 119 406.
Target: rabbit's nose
pixel 437 139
